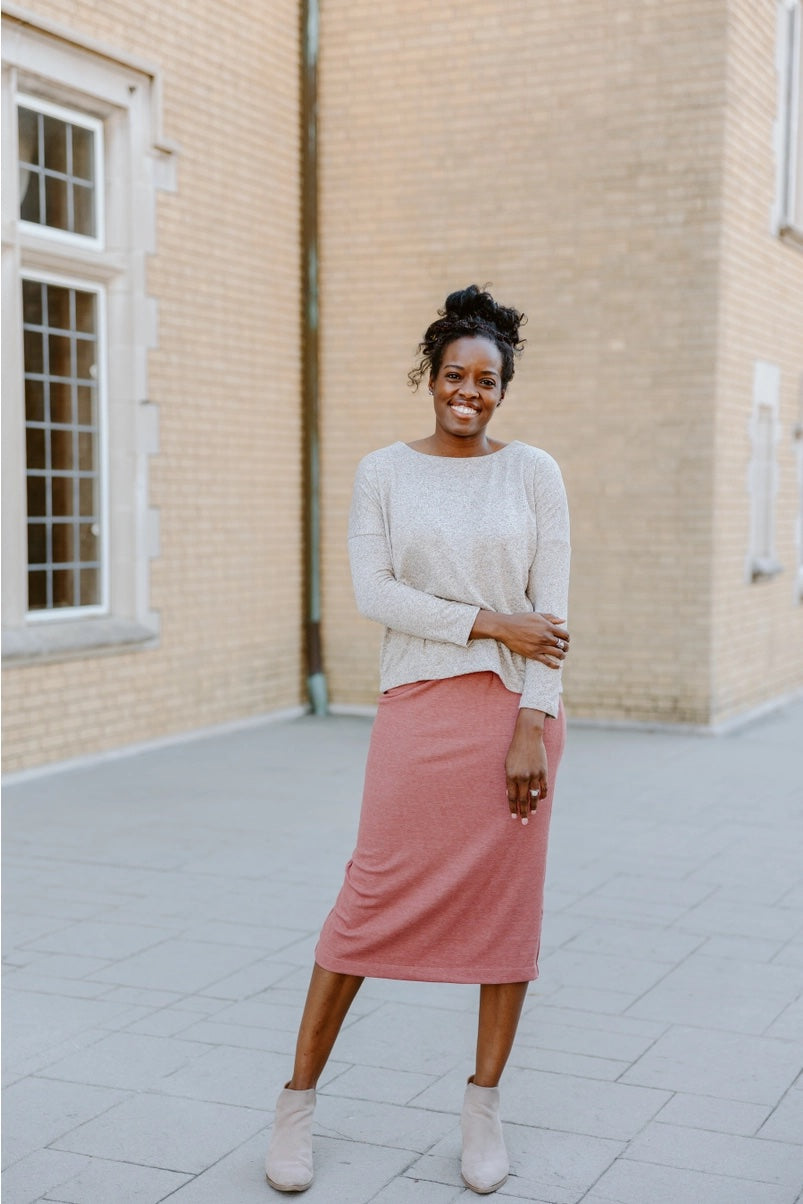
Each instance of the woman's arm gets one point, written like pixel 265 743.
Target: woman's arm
pixel 380 596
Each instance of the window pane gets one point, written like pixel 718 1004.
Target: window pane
pixel 83 153
pixel 56 203
pixel 56 133
pixel 86 491
pixel 85 312
pixel 64 587
pixel 35 444
pixel 34 356
pixel 28 127
pixel 60 358
pixel 32 302
pixel 62 494
pixel 58 307
pixel 86 405
pixel 37 497
pixel 61 450
pixel 86 451
pixel 34 401
pixel 84 209
pixel 85 351
pixel 88 542
pixel 60 401
pixel 63 543
pixel 90 594
pixel 37 543
pixel 37 591
pixel 30 209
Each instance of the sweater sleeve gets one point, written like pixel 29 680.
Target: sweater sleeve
pixel 379 594
pixel 548 585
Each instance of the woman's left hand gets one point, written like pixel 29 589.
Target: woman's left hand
pixel 526 767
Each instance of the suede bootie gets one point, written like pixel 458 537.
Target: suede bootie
pixel 288 1165
pixel 485 1162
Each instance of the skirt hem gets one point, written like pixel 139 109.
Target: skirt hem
pixel 473 977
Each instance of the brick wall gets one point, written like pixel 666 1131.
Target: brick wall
pixel 571 155
pixel 225 377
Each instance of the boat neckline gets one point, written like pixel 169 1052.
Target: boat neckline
pixel 430 456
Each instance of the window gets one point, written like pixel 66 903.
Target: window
pixel 763 472
pixel 82 167
pixel 788 215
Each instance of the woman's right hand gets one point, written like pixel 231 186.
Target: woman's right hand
pixel 539 637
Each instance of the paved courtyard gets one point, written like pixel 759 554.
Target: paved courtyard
pixel 162 908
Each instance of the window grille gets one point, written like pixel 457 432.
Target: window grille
pixel 60 169
pixel 61 355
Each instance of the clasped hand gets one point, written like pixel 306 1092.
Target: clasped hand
pixel 539 637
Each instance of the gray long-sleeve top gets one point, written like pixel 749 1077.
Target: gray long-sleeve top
pixel 435 539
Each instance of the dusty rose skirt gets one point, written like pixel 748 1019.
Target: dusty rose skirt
pixel 443 886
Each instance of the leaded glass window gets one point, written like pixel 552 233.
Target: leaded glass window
pixel 61 354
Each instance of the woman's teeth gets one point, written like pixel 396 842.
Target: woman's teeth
pixel 465 411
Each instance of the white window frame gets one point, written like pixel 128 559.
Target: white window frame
pixel 93 123
pixel 762 473
pixel 49 64
pixel 79 612
pixel 787 214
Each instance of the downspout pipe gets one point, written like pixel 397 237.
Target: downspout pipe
pixel 316 681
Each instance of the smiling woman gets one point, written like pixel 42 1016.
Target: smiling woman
pixel 459 546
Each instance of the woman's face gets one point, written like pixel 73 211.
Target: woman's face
pixel 468 386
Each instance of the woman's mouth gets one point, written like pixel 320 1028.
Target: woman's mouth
pixel 461 410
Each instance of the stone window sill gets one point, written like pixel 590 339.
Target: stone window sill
pixel 44 643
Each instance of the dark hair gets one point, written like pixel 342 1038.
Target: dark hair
pixel 470 312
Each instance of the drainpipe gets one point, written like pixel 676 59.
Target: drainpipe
pixel 316 682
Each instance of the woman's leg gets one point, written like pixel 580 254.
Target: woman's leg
pixel 500 1008
pixel 329 998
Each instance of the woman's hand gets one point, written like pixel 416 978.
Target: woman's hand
pixel 526 765
pixel 538 637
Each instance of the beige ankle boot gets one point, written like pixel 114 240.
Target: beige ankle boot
pixel 288 1165
pixel 485 1163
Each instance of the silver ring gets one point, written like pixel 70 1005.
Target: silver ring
pixel 534 793
pixel 560 644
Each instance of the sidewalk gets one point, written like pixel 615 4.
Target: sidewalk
pixel 162 908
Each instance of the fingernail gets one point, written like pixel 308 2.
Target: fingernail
pixel 512 814
pixel 525 820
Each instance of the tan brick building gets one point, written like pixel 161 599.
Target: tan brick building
pixel 629 175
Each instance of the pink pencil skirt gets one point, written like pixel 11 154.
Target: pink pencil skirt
pixel 443 885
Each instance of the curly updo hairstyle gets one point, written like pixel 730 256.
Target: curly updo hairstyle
pixel 470 311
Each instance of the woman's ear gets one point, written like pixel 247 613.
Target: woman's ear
pixel 430 384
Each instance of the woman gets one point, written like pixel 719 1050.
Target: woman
pixel 459 546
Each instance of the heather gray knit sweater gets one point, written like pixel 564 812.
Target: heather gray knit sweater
pixel 434 539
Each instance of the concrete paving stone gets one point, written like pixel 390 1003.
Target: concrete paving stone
pixel 260 1011
pixel 164 1022
pixel 740 948
pixel 603 907
pixel 183 1135
pixel 558 930
pixel 58 965
pixel 559 1061
pixel 37 1022
pixel 537 1030
pixel 203 1005
pixel 30 980
pixel 248 1078
pixel 731 918
pixel 59 907
pixel 558 1101
pixel 684 892
pixel 710 992
pixel 642 1183
pixel 788 1025
pixel 38 1111
pixel 751 1158
pixel 594 999
pixel 384 1086
pixel 707 1112
pixel 251 980
pixel 29 1179
pixel 241 1036
pixel 102 1181
pixel 602 970
pixel 142 996
pixel 126 1060
pixel 786 1122
pixel 400 1037
pixel 604 1022
pixel 108 941
pixel 177 965
pixel 790 954
pixel 264 938
pixel 654 943
pixel 438 1168
pixel 346 1172
pixel 733 1066
pixel 457 997
pixel 300 952
pixel 126 1018
pixel 20 1068
pixel 385 1124
pixel 21 929
pixel 407 1191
